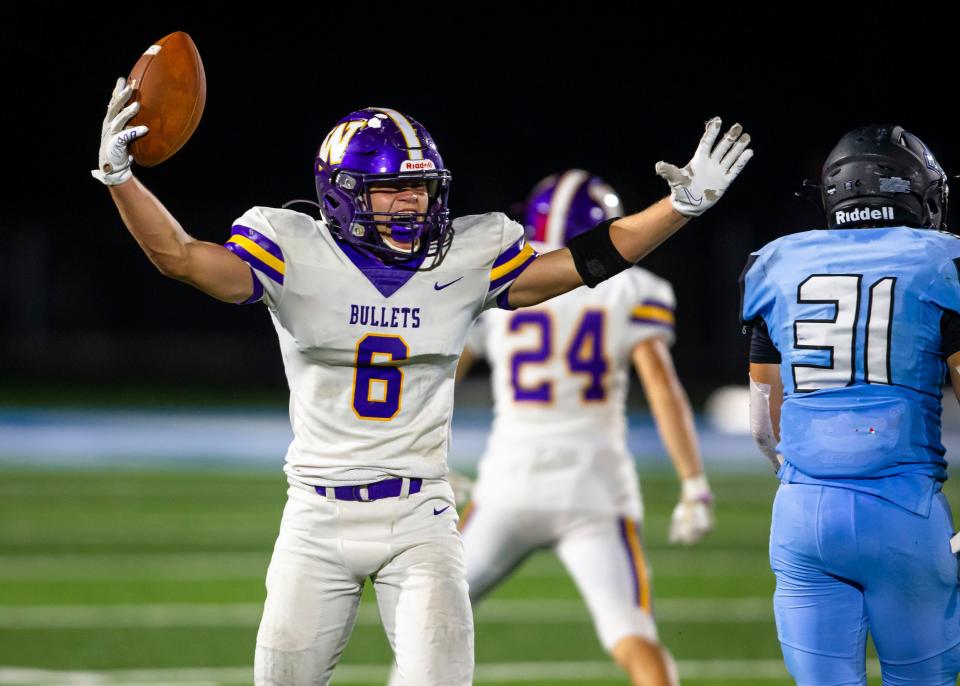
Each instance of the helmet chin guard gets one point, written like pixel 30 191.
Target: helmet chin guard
pixel 882 175
pixel 379 146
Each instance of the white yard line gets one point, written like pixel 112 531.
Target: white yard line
pixel 181 566
pixel 129 616
pixel 686 610
pixel 125 566
pixel 740 670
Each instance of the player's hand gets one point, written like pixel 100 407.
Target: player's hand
pixel 692 518
pixel 697 187
pixel 462 487
pixel 116 136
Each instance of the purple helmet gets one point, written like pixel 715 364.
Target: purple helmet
pixel 564 205
pixel 374 146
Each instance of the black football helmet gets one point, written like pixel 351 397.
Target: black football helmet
pixel 881 175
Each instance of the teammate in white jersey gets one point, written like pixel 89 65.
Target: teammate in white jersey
pixel 372 305
pixel 557 472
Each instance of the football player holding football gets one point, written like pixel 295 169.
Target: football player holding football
pixel 853 329
pixel 372 305
pixel 557 473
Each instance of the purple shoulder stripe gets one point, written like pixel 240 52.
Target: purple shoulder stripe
pixel 512 275
pixel 502 300
pixel 254 262
pixel 258 238
pixel 509 253
pixel 257 289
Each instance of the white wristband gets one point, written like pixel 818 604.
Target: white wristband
pixel 696 488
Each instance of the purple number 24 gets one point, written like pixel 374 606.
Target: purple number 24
pixel 584 355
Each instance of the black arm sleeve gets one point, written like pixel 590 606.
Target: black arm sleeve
pixel 595 256
pixel 950 332
pixel 762 350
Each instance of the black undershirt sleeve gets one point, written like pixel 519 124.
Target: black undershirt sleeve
pixel 950 332
pixel 762 350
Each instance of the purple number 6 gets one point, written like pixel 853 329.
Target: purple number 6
pixel 377 382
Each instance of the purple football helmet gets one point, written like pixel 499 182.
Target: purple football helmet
pixel 380 146
pixel 564 205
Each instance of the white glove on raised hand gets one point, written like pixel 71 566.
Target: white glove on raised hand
pixel 692 518
pixel 115 159
pixel 697 187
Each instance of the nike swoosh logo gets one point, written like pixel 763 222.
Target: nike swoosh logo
pixel 443 509
pixel 438 287
pixel 690 197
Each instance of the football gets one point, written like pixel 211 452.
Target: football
pixel 169 82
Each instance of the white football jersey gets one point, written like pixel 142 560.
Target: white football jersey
pixel 370 351
pixel 560 374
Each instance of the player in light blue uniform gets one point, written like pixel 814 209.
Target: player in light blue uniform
pixel 853 329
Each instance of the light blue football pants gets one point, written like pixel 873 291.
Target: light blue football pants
pixel 847 563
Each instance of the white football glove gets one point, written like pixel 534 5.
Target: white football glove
pixel 115 159
pixel 697 187
pixel 692 518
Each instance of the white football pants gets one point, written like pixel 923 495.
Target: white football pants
pixel 602 552
pixel 324 553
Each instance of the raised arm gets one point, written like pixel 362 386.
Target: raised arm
pixel 613 246
pixel 207 266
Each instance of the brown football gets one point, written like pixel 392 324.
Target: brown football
pixel 169 83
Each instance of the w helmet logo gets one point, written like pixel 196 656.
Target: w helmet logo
pixel 334 146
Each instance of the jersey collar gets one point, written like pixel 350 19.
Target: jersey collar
pixel 386 278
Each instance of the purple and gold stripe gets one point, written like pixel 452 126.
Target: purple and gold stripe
pixel 653 312
pixel 258 251
pixel 509 254
pixel 511 263
pixel 638 566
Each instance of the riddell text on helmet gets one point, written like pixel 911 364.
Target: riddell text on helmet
pixel 864 214
pixel 416 165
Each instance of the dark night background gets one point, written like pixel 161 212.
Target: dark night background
pixel 509 92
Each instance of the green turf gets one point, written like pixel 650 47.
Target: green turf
pixel 116 571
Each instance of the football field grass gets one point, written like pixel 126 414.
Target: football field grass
pixel 157 578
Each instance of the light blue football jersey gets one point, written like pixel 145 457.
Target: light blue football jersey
pixel 856 316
